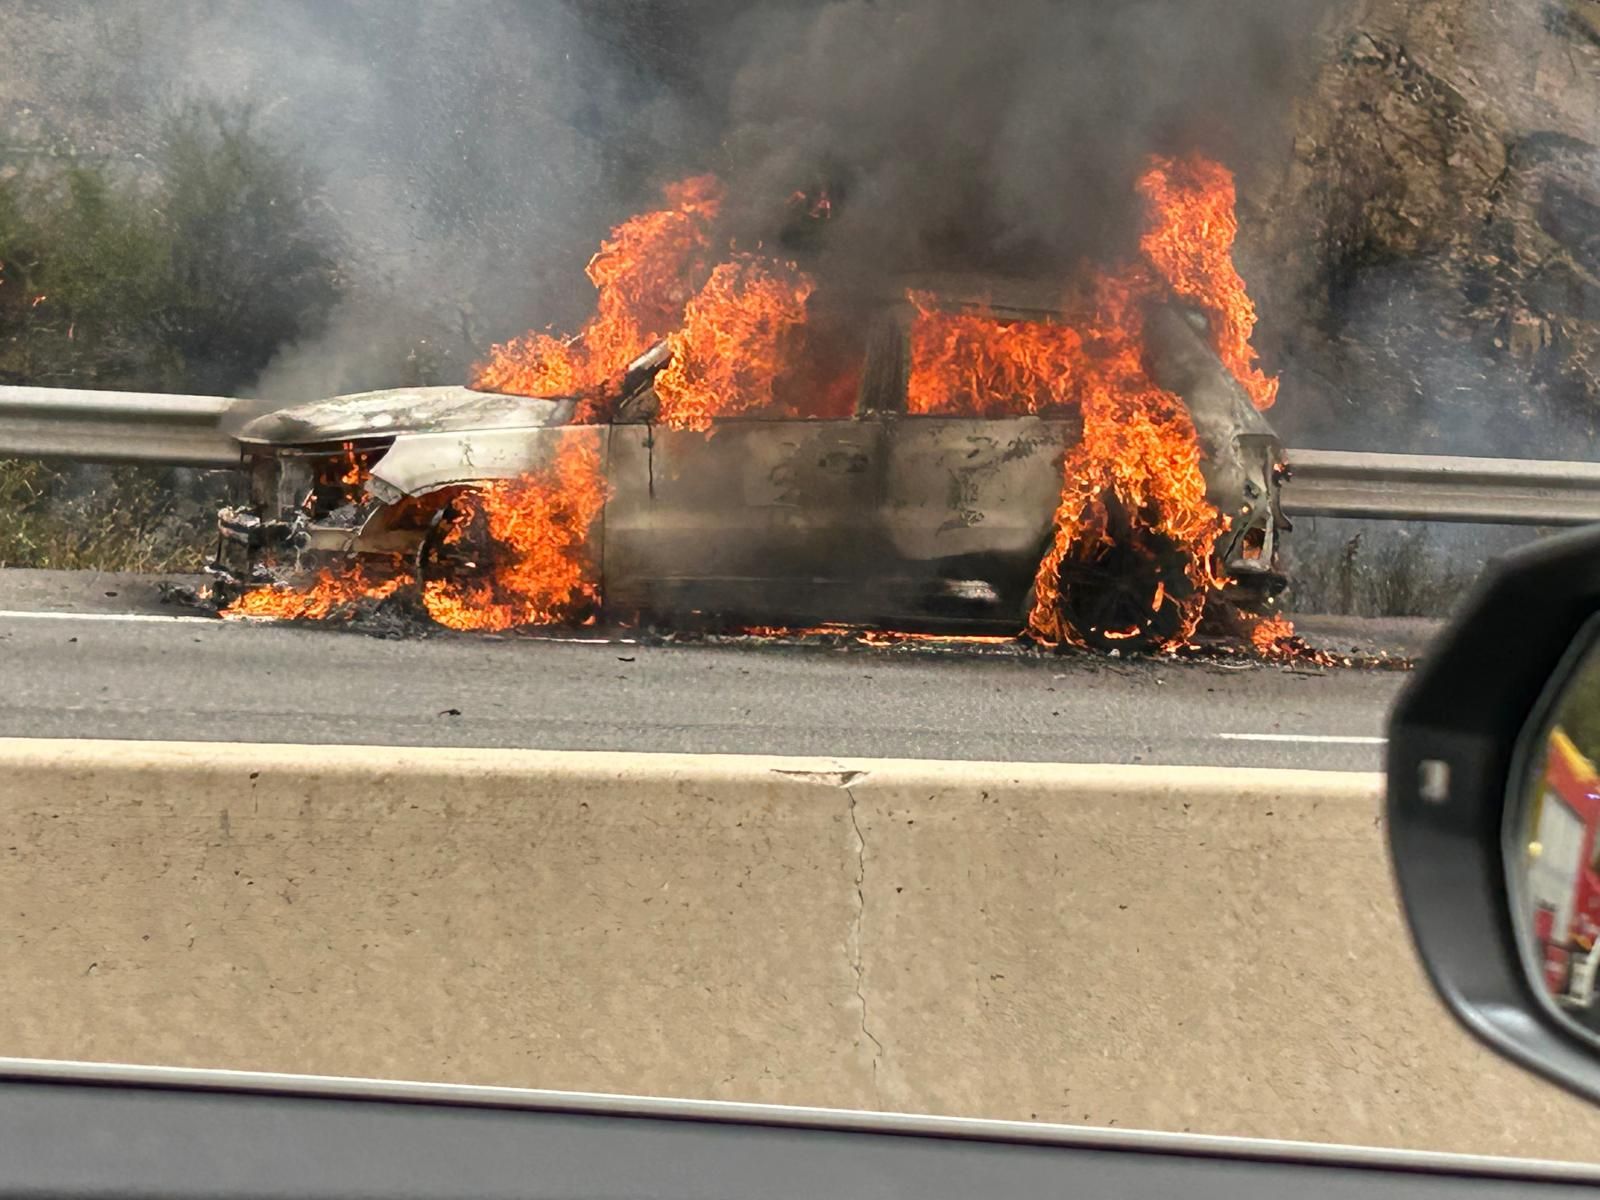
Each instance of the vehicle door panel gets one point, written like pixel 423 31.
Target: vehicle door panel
pixel 760 518
pixel 962 492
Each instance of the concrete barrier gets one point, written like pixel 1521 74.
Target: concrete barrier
pixel 1184 949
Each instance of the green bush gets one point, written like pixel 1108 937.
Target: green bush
pixel 188 278
pixel 185 278
pixel 85 517
pixel 248 269
pixel 83 267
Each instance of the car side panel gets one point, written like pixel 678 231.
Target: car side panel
pixel 971 498
pixel 420 462
pixel 761 520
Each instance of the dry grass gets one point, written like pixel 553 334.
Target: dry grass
pixel 107 518
pixel 1389 569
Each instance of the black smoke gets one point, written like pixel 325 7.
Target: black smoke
pixel 1007 137
pixel 473 152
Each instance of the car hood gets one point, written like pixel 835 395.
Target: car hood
pixel 401 410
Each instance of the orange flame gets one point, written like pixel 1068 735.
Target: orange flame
pixel 1135 474
pixel 644 273
pixel 536 528
pixel 355 472
pixel 333 593
pixel 729 352
pixel 1273 637
pixel 973 365
pixel 1189 240
pixel 1139 450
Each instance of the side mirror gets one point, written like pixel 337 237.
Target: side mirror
pixel 1494 809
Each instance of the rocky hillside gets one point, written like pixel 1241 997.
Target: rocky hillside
pixel 1428 257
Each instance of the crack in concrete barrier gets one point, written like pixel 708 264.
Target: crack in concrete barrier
pixel 845 778
pixel 853 946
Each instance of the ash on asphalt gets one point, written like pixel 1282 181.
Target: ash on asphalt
pixel 1367 643
pixel 208 679
pixel 1316 654
pixel 1325 643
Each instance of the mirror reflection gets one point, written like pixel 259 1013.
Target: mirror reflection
pixel 1553 856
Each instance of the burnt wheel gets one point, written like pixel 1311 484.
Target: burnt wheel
pixel 474 573
pixel 1126 591
pixel 456 548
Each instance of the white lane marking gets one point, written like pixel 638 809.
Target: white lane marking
pixel 169 618
pixel 1326 739
pixel 571 641
pixel 176 618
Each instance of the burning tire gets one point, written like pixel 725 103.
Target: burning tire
pixel 1127 590
pixel 508 554
pixel 456 549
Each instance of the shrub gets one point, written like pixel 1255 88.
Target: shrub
pixel 187 278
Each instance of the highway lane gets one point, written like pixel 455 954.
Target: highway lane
pixel 101 656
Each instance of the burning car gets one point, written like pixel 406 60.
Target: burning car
pixel 725 442
pixel 880 515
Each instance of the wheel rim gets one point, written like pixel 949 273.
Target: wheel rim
pixel 456 550
pixel 1128 590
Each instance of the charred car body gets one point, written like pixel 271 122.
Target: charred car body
pixel 884 518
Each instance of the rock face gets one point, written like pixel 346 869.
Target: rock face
pixel 1427 261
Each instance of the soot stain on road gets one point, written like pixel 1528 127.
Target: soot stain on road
pixel 396 618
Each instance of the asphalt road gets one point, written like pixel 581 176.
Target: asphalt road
pixel 84 655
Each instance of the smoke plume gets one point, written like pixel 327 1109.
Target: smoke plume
pixel 473 152
pixel 1008 138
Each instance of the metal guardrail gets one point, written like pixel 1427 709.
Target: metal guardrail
pixel 1427 487
pixel 188 431
pixel 118 427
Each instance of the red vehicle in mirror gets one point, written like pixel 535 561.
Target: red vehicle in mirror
pixel 1563 877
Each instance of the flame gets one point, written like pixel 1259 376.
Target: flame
pixel 1191 203
pixel 729 352
pixel 333 593
pixel 355 472
pixel 973 365
pixel 834 629
pixel 1138 457
pixel 1273 637
pixel 1135 476
pixel 1138 460
pixel 818 205
pixel 644 274
pixel 536 530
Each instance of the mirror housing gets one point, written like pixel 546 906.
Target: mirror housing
pixel 1453 739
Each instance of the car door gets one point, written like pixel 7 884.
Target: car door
pixel 753 520
pixel 969 501
pixel 768 517
pixel 968 507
